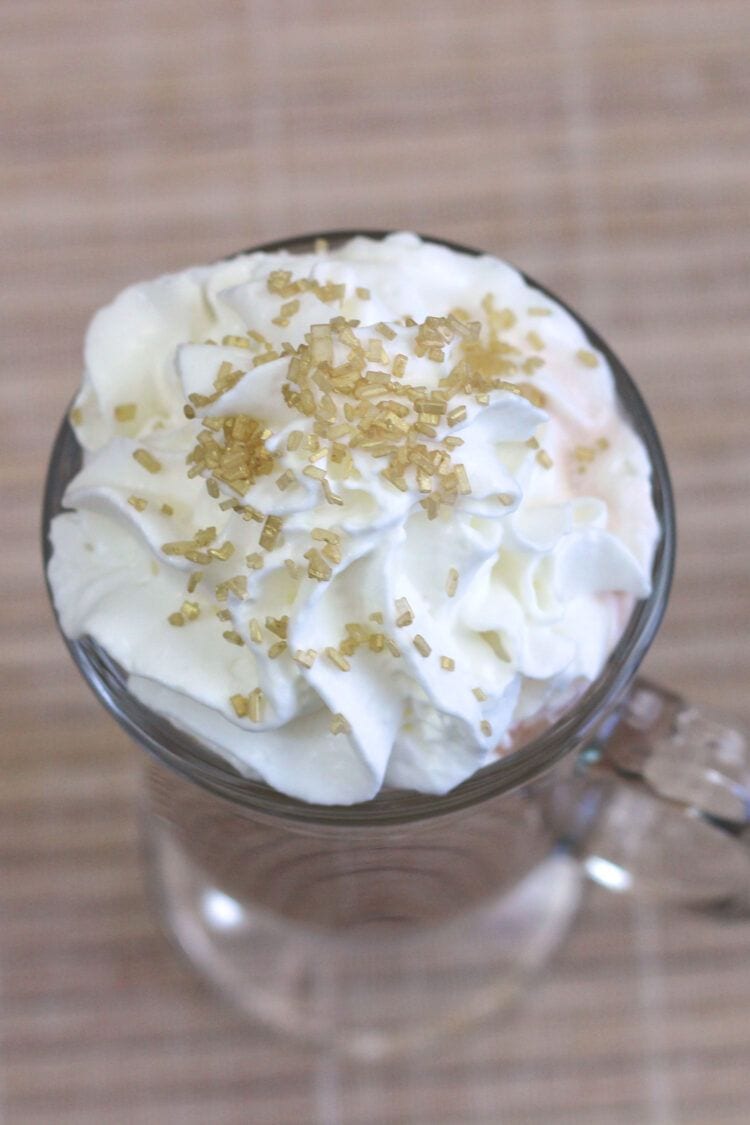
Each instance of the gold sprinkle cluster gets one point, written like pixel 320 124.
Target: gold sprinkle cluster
pixel 356 395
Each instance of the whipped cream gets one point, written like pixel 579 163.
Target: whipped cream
pixel 350 517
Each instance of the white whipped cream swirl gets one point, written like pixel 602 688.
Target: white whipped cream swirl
pixel 366 668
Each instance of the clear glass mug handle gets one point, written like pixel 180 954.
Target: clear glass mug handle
pixel 675 816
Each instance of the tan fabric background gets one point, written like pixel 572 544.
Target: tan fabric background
pixel 604 145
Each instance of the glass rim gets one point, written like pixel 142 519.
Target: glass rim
pixel 185 754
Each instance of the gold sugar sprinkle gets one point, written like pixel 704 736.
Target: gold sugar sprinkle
pixel 255 704
pixel 314 472
pixel 223 615
pixel 398 367
pixel 544 459
pixel 362 293
pixel 194 581
pixel 270 532
pixel 340 725
pixel 146 460
pixel 237 585
pixel 392 647
pixel 376 642
pixel 324 535
pixel 338 659
pixel 176 619
pixel 167 510
pixel 447 663
pixel 254 560
pixel 535 340
pixel 532 364
pixel 464 486
pixel 125 412
pixel 332 552
pixel 479 694
pixel 587 358
pixel 317 567
pixel 138 503
pixel 451 582
pixel 212 488
pixel 377 617
pixel 405 613
pixel 276 649
pixel 539 310
pixel 306 658
pixel 278 626
pixel 286 479
pixel 505 498
pixel 240 705
pixel 76 416
pixel 331 497
pixel 233 637
pixel 289 309
pixel 222 553
pixel 385 330
pixel 486 728
pixel 256 633
pixel 190 610
pixel 421 645
pixel 458 414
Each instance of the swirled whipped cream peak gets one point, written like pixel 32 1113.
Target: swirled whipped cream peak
pixel 351 517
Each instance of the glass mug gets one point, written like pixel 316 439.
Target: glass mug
pixel 382 925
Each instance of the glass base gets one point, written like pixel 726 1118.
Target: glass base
pixel 375 991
